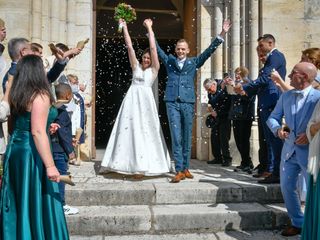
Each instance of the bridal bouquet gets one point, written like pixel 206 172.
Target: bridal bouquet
pixel 126 12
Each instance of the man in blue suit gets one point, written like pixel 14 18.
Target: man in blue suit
pixel 296 106
pixel 268 95
pixel 180 98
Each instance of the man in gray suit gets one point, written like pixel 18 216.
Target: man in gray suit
pixel 180 98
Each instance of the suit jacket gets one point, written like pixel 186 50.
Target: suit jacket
pixel 220 101
pixel 4 113
pixel 52 74
pixel 62 139
pixel 180 84
pixel 263 86
pixel 296 122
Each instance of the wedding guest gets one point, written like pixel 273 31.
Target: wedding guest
pixel 3 31
pixel 136 144
pixel 36 49
pixel 242 114
pixel 19 47
pixel 311 227
pixel 180 98
pixel 268 95
pixel 311 55
pixel 296 106
pixel 30 202
pixel 62 142
pixel 78 113
pixel 219 100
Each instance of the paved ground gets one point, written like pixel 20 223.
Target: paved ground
pixel 88 173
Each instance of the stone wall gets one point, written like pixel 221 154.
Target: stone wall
pixel 295 26
pixel 46 21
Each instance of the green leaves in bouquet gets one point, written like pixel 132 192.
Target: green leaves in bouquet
pixel 125 11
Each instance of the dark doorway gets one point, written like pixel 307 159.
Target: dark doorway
pixel 113 72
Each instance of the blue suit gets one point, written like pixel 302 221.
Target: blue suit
pixel 180 99
pixel 294 158
pixel 268 95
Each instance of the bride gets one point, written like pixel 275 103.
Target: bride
pixel 136 144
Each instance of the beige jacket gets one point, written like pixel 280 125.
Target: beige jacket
pixel 4 113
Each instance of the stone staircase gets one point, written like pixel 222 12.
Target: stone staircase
pixel 114 206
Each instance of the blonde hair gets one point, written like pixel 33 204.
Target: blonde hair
pixel 2 23
pixel 313 54
pixel 243 71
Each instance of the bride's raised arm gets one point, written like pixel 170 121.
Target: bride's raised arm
pixel 152 45
pixel 132 55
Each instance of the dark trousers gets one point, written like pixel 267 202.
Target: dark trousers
pixel 274 144
pixel 242 133
pixel 61 162
pixel 262 152
pixel 220 136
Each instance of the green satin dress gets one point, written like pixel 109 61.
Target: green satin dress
pixel 311 223
pixel 30 204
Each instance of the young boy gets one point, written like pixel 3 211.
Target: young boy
pixel 62 144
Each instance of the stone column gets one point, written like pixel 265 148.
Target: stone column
pixel 63 21
pixel 235 35
pixel 36 21
pixel 243 33
pixel 216 25
pixel 71 11
pixel 55 21
pixel 46 23
pixel 253 22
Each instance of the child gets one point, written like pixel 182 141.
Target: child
pixel 78 113
pixel 62 143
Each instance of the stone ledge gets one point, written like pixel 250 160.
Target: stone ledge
pixel 187 218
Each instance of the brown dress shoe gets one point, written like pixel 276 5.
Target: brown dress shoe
pixel 261 175
pixel 187 173
pixel 291 231
pixel 178 177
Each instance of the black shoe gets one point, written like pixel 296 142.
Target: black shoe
pixel 247 169
pixel 215 161
pixel 240 167
pixel 271 179
pixel 226 163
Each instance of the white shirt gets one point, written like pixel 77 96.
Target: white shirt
pixel 181 62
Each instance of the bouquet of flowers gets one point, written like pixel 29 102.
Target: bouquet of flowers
pixel 126 12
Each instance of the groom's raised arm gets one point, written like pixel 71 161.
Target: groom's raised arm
pixel 200 60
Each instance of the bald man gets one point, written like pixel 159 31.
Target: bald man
pixel 296 106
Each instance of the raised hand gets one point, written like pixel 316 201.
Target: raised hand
pixel 147 23
pixel 122 22
pixel 226 25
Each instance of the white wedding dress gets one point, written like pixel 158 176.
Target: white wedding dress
pixel 136 144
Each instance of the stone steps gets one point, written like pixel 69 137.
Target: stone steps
pixel 104 194
pixel 228 235
pixel 115 206
pixel 182 218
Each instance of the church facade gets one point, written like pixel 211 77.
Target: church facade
pixel 294 24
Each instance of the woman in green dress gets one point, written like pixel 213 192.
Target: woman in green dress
pixel 311 223
pixel 30 206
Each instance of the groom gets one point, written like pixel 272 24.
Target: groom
pixel 180 98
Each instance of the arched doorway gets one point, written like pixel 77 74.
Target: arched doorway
pixel 112 71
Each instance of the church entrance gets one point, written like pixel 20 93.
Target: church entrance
pixel 113 72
